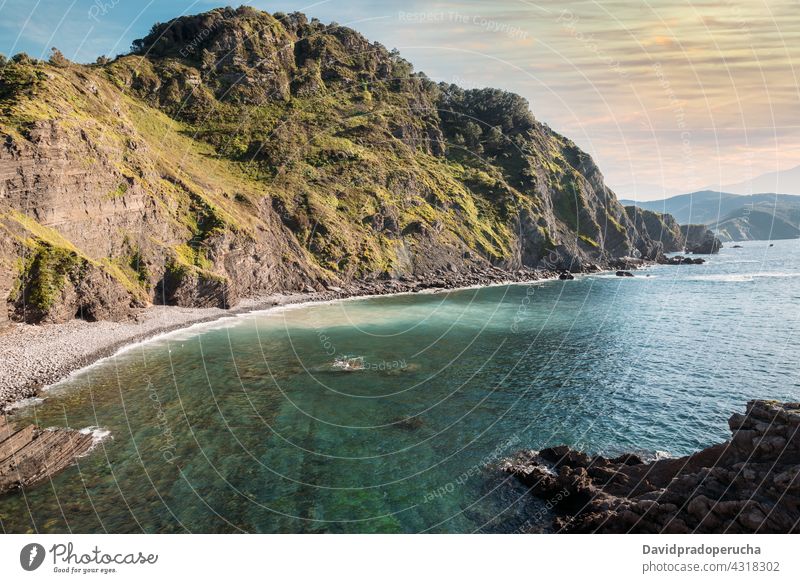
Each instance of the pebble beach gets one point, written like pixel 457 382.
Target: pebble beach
pixel 35 356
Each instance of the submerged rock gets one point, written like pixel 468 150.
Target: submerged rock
pixel 624 274
pixel 30 455
pixel 749 484
pixel 408 423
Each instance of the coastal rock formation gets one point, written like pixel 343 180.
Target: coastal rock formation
pixel 750 484
pixel 30 455
pixel 681 260
pixel 662 229
pixel 236 153
pixel 700 240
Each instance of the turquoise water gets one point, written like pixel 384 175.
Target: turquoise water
pixel 389 414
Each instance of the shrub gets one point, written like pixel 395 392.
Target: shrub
pixel 57 58
pixel 23 59
pixel 45 274
pixel 137 263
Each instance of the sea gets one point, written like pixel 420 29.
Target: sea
pixel 394 414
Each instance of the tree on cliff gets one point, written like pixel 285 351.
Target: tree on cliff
pixel 57 58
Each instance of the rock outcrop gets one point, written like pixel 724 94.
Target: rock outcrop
pixel 31 455
pixel 700 240
pixel 237 153
pixel 681 260
pixel 662 229
pixel 750 484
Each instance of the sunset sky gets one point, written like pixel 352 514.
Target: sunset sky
pixel 668 96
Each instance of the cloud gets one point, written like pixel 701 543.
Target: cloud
pixel 628 81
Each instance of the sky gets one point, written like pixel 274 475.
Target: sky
pixel 668 96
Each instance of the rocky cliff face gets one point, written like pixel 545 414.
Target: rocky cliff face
pixel 662 230
pixel 236 153
pixel 700 240
pixel 750 484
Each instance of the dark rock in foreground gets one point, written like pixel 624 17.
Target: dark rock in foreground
pixel 31 455
pixel 749 484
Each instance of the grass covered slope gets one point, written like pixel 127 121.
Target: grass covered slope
pixel 236 152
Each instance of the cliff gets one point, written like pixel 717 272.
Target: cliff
pixel 750 484
pixel 661 229
pixel 700 240
pixel 237 153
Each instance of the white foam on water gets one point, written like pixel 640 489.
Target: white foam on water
pixel 723 277
pixel 99 435
pixel 198 328
pixel 349 363
pixel 777 274
pixel 177 334
pixel 741 277
pixel 636 276
pixel 29 402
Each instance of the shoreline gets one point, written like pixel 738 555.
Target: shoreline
pixel 744 485
pixel 34 357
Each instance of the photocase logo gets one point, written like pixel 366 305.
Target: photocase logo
pixel 31 556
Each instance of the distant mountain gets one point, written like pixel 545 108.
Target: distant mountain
pixel 734 217
pixel 703 207
pixel 645 190
pixel 763 221
pixel 784 181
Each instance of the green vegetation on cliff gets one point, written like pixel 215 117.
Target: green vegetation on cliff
pixel 272 152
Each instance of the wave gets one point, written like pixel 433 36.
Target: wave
pixel 741 277
pixel 636 276
pixel 349 363
pixel 99 435
pixel 656 456
pixel 29 402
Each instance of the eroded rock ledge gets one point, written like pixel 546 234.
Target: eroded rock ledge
pixel 30 455
pixel 749 484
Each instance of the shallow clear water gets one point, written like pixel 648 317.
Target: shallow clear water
pixel 388 414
